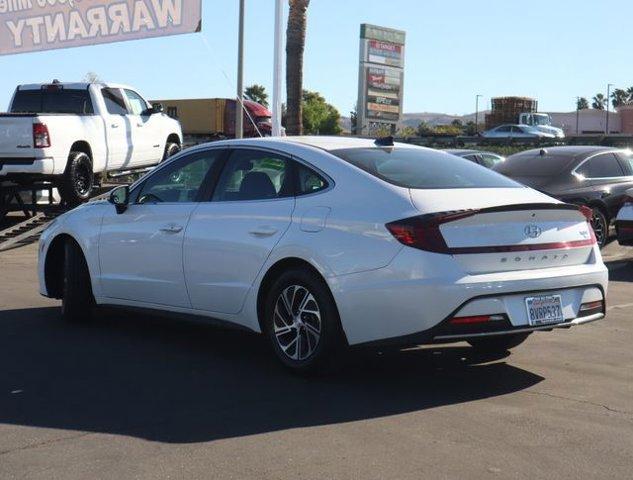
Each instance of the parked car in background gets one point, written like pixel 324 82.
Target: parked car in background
pixel 70 133
pixel 323 242
pixel 597 177
pixel 516 131
pixel 487 159
pixel 624 220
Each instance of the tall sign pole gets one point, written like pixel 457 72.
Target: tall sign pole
pixel 239 114
pixel 277 68
pixel 380 79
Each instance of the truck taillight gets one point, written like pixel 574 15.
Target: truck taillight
pixel 41 137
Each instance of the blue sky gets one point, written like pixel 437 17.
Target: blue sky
pixel 552 51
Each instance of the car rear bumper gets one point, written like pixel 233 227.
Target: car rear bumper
pixel 411 301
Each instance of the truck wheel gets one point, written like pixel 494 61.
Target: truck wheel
pixel 78 180
pixel 171 149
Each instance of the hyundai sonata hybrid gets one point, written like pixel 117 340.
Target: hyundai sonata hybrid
pixel 322 243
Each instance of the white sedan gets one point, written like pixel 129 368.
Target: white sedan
pixel 517 131
pixel 320 243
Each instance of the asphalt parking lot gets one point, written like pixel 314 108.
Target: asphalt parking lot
pixel 134 396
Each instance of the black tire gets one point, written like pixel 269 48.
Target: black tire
pixel 77 300
pixel 78 180
pixel 171 149
pixel 600 225
pixel 327 347
pixel 498 343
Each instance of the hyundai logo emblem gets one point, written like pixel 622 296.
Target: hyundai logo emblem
pixel 532 231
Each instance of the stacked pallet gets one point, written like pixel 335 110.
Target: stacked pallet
pixel 508 109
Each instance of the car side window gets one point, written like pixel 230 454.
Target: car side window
pixel 179 182
pixel 605 165
pixel 517 130
pixel 115 104
pixel 254 175
pixel 504 129
pixel 472 158
pixel 137 104
pixel 309 181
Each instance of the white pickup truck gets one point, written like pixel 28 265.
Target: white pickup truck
pixel 72 134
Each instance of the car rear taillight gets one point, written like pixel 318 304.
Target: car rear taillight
pixel 423 232
pixel 41 137
pixel 588 214
pixel 472 320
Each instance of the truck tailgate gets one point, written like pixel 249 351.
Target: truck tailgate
pixel 16 135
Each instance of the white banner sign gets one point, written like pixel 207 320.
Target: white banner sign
pixel 34 25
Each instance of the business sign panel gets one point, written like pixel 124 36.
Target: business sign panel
pixel 34 25
pixel 381 77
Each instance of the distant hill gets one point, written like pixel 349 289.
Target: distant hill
pixel 433 119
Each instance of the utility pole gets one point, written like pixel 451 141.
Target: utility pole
pixel 239 114
pixel 608 102
pixel 477 113
pixel 577 114
pixel 279 17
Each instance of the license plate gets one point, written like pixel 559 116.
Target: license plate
pixel 544 310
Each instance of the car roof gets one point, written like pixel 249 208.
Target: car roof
pixel 464 151
pixel 326 143
pixel 579 152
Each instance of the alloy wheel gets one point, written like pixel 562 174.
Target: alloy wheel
pixel 297 322
pixel 598 223
pixel 82 180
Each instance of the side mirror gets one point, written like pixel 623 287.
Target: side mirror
pixel 156 108
pixel 120 198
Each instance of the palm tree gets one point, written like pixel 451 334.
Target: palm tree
pixel 619 97
pixel 295 45
pixel 599 102
pixel 257 93
pixel 629 91
pixel 582 104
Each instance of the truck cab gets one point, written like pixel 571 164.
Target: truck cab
pixel 542 122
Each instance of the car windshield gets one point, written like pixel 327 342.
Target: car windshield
pixel 423 168
pixel 534 165
pixel 541 119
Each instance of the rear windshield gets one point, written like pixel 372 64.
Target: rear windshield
pixel 534 165
pixel 52 101
pixel 423 168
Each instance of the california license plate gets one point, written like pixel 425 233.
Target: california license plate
pixel 544 310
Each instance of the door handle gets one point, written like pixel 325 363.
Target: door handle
pixel 114 125
pixel 171 229
pixel 263 232
pixel 139 124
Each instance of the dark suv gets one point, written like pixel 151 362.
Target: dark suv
pixel 597 177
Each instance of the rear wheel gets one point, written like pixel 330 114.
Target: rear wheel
pixel 600 226
pixel 302 322
pixel 78 179
pixel 78 301
pixel 498 343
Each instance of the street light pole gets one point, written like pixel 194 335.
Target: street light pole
pixel 276 119
pixel 477 113
pixel 608 101
pixel 239 114
pixel 577 114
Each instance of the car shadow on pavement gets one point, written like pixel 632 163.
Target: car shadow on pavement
pixel 180 382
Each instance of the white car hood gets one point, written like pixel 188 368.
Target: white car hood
pixel 445 200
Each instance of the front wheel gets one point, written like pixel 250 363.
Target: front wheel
pixel 78 301
pixel 78 180
pixel 302 322
pixel 171 149
pixel 498 343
